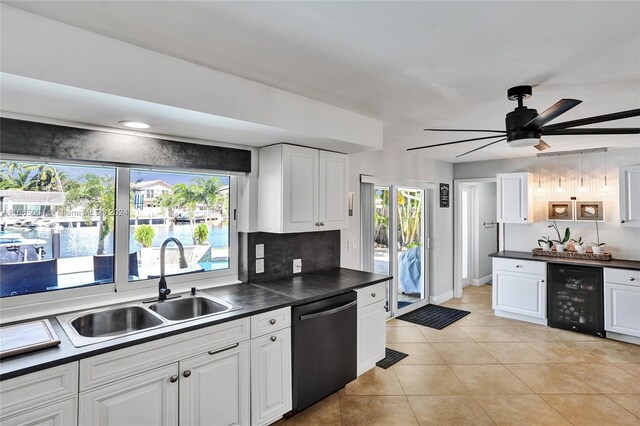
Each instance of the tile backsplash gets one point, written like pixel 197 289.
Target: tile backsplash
pixel 318 251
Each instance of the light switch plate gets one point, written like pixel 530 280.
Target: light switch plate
pixel 351 244
pixel 297 266
pixel 259 251
pixel 259 266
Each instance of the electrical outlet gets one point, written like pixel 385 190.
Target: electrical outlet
pixel 259 266
pixel 297 266
pixel 351 244
pixel 259 251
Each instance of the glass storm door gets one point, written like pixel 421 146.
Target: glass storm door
pixel 410 282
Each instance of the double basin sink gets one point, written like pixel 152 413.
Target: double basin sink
pixel 98 325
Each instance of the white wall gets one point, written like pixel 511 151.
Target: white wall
pixel 621 241
pixel 484 201
pixel 400 164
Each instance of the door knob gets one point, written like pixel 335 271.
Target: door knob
pixel 173 379
pixel 186 373
pixel 373 295
pixel 632 279
pixel 273 338
pixel 321 223
pixel 272 321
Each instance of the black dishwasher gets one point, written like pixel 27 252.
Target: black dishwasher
pixel 324 348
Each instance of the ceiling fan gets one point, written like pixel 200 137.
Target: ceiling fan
pixel 524 126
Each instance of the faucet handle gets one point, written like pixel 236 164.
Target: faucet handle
pixel 165 291
pixel 193 291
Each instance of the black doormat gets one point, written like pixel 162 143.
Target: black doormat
pixel 391 357
pixel 434 316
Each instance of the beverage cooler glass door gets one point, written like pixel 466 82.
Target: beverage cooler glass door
pixel 575 299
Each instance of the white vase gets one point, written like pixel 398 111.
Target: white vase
pixel 546 246
pixel 597 249
pixel 560 247
pixel 581 248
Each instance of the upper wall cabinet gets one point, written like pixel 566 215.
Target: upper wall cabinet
pixel 302 189
pixel 515 197
pixel 630 195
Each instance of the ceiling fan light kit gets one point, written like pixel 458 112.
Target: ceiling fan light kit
pixel 524 126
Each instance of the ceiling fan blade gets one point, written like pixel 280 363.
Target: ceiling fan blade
pixel 452 143
pixel 464 130
pixel 479 148
pixel 542 145
pixel 601 131
pixel 592 120
pixel 557 109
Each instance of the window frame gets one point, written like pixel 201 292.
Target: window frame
pixel 121 284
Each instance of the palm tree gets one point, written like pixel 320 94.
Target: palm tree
pixel 187 197
pixel 94 194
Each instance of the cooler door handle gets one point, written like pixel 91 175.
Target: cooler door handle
pixel 329 312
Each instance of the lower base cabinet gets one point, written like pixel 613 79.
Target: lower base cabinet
pixel 214 387
pixel 622 309
pixel 147 399
pixel 61 413
pixel 270 377
pixel 372 315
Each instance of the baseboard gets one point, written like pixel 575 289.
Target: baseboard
pixel 623 337
pixel 540 321
pixel 481 281
pixel 441 298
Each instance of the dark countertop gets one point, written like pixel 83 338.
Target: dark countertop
pixel 253 298
pixel 613 263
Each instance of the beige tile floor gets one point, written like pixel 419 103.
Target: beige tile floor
pixel 489 370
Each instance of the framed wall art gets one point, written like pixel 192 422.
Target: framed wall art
pixel 590 210
pixel 560 210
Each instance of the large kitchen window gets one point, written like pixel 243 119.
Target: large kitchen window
pixel 72 227
pixel 57 226
pixel 192 208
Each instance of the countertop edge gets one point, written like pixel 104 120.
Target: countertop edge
pixel 613 263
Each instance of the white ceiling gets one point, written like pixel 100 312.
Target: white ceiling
pixel 409 64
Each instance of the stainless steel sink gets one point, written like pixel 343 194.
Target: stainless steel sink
pixel 98 325
pixel 189 307
pixel 115 322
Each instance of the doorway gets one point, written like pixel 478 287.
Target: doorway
pixel 395 232
pixel 476 232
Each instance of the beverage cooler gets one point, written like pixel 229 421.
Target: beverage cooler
pixel 575 298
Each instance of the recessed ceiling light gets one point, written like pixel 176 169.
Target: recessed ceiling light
pixel 135 124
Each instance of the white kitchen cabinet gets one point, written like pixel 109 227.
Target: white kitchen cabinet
pixel 371 326
pixel 147 399
pixel 302 189
pixel 520 290
pixel 515 197
pixel 60 413
pixel 622 301
pixel 270 377
pixel 214 387
pixel 630 196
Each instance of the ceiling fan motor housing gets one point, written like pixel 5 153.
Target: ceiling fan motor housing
pixel 515 122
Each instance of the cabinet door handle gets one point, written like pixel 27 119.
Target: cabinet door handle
pixel 518 266
pixel 317 223
pixel 622 221
pixel 321 223
pixel 272 321
pixel 373 295
pixel 224 349
pixel 541 281
pixel 273 338
pixel 186 373
pixel 173 379
pixel 632 279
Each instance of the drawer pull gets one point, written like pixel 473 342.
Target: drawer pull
pixel 541 281
pixel 272 321
pixel 518 266
pixel 186 373
pixel 373 295
pixel 273 338
pixel 173 379
pixel 631 279
pixel 224 349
